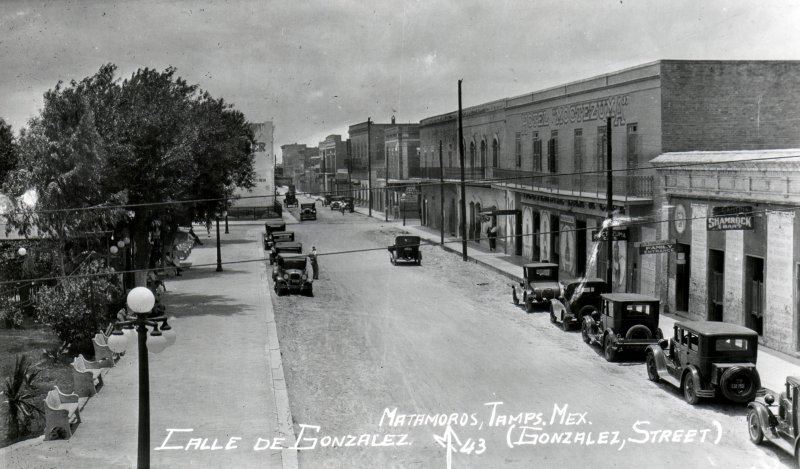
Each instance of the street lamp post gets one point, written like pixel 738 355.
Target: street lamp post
pixel 225 214
pixel 141 301
pixel 403 207
pixel 219 250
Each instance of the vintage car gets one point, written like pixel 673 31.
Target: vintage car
pixel 290 200
pixel 277 236
pixel 284 247
pixel 625 322
pixel 703 356
pixel 335 202
pixel 290 274
pixel 274 225
pixel 348 204
pixel 308 211
pixel 539 285
pixel 405 248
pixel 581 297
pixel 781 428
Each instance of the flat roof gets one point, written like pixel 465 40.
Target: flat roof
pixel 716 328
pixel 628 297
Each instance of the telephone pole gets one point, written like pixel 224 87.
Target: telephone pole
pixel 463 186
pixel 441 192
pixel 609 207
pixel 369 164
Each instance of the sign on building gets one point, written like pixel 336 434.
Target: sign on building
pixel 730 218
pixel 657 247
pixel 619 235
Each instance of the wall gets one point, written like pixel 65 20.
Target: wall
pixel 264 166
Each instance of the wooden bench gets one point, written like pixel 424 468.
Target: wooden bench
pixel 101 351
pixel 84 375
pixel 59 411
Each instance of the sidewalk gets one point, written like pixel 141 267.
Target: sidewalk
pixel 773 366
pixel 222 378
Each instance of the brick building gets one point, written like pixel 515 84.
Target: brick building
pixel 264 167
pixel 360 161
pixel 333 156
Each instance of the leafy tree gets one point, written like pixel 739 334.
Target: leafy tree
pixel 19 390
pixel 8 150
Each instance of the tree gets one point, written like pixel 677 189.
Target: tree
pixel 102 142
pixel 19 390
pixel 8 150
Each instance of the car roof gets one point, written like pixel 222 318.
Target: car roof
pixel 628 297
pixel 310 204
pixel 290 256
pixel 282 233
pixel 288 244
pixel 587 280
pixel 537 265
pixel 716 328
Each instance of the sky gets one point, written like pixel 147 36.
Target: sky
pixel 315 67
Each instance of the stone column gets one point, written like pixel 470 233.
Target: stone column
pixel 733 299
pixel 778 285
pixel 698 281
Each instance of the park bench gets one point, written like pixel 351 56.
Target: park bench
pixel 84 375
pixel 59 411
pixel 101 351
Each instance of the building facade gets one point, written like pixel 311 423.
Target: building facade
pixel 367 150
pixel 264 166
pixel 333 155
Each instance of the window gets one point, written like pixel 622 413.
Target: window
pixel 472 154
pixel 483 153
pixel 731 344
pixel 537 153
pixel 552 152
pixel 637 310
pixel 495 151
pixel 632 151
pixel 450 155
pixel 518 148
pixel 577 143
pixel 601 148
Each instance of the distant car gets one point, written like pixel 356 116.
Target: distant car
pixel 405 248
pixel 539 285
pixel 290 274
pixel 348 204
pixel 705 356
pixel 308 211
pixel 581 297
pixel 277 236
pixel 290 200
pixel 284 247
pixel 274 225
pixel 625 322
pixel 782 427
pixel 336 205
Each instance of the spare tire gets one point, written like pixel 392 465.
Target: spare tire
pixel 639 331
pixel 740 384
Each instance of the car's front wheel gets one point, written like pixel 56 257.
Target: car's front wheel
pixel 754 427
pixel 611 354
pixel 565 324
pixel 529 305
pixel 690 390
pixel 652 369
pixel 585 332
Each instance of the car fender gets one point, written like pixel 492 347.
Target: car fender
pixel 558 309
pixel 660 357
pixel 763 414
pixel 691 369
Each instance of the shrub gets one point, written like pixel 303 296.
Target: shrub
pixel 19 391
pixel 77 307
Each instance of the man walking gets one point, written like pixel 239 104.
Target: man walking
pixel 314 266
pixel 492 234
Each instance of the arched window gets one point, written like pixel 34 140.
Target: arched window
pixel 472 154
pixel 495 152
pixel 483 154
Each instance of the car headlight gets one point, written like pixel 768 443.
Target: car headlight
pixel 305 276
pixel 286 276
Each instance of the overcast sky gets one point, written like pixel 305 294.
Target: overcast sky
pixel 315 67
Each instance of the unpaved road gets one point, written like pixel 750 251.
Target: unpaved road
pixel 444 338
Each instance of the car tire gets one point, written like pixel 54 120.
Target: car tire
pixel 754 427
pixel 742 373
pixel 586 311
pixel 639 331
pixel 652 369
pixel 585 332
pixel 528 305
pixel 608 349
pixel 565 325
pixel 690 390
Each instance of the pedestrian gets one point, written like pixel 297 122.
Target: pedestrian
pixel 492 234
pixel 208 226
pixel 314 264
pixel 194 236
pixel 342 207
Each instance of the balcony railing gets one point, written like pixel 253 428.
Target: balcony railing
pixel 470 174
pixel 589 184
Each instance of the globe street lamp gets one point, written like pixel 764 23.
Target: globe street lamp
pixel 141 301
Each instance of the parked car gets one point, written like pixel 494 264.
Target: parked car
pixel 308 211
pixel 581 297
pixel 625 322
pixel 705 356
pixel 290 274
pixel 284 247
pixel 781 428
pixel 348 204
pixel 274 225
pixel 290 200
pixel 539 285
pixel 405 248
pixel 335 202
pixel 277 236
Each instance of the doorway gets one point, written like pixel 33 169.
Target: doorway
pixel 555 244
pixel 754 293
pixel 682 274
pixel 580 248
pixel 716 284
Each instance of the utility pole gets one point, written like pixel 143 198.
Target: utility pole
pixel 369 164
pixel 441 194
pixel 349 170
pixel 609 207
pixel 463 186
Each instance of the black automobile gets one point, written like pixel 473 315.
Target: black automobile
pixel 625 322
pixel 405 248
pixel 347 202
pixel 274 225
pixel 290 274
pixel 308 211
pixel 335 202
pixel 284 247
pixel 779 424
pixel 539 285
pixel 277 236
pixel 581 297
pixel 705 356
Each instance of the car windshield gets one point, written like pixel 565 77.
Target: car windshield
pixel 640 310
pixel 294 264
pixel 735 345
pixel 547 273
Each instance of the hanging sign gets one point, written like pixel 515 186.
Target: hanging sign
pixel 657 247
pixel 730 218
pixel 619 235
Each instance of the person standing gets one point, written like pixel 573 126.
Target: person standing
pixel 492 234
pixel 314 265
